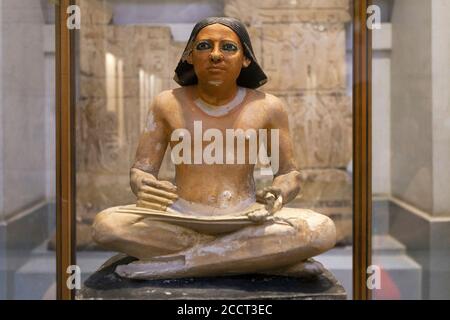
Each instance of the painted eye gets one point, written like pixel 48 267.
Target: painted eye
pixel 229 47
pixel 203 46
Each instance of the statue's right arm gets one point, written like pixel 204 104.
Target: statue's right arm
pixel 153 142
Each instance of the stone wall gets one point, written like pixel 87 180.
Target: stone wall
pixel 300 45
pixel 121 69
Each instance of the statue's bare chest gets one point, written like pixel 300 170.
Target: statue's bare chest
pixel 244 117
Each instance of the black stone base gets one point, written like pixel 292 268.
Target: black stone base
pixel 105 284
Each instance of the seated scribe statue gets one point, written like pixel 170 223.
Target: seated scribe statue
pixel 212 221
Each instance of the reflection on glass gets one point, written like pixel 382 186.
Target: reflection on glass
pixel 114 93
pixel 149 87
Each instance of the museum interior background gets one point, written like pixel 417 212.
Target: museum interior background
pixel 126 54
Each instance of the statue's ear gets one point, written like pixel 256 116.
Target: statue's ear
pixel 189 58
pixel 246 62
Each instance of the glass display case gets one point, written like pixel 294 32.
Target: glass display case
pixel 125 54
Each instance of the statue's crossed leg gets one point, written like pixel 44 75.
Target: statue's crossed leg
pixel 168 251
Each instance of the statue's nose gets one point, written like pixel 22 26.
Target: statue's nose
pixel 216 56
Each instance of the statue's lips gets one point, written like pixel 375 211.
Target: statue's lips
pixel 215 69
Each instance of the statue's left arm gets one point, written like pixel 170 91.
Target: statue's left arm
pixel 286 182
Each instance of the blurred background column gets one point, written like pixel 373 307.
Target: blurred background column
pixel 26 143
pixel 411 144
pixel 421 137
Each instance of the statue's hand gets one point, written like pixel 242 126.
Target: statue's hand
pixel 272 198
pixel 259 216
pixel 156 194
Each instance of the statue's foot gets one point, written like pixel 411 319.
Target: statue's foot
pixel 114 259
pixel 164 267
pixel 307 269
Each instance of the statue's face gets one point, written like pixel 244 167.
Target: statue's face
pixel 218 56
